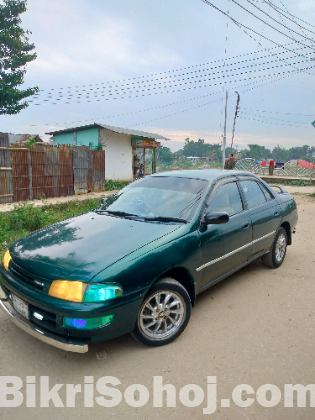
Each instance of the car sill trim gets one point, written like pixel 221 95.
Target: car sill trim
pixel 40 335
pixel 234 252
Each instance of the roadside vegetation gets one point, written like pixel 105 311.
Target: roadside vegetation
pixel 181 165
pixel 111 185
pixel 298 183
pixel 26 218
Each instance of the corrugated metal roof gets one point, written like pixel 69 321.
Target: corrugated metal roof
pixel 119 130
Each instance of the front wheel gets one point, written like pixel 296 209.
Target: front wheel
pixel 164 313
pixel 275 257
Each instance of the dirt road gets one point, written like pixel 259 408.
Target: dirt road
pixel 255 328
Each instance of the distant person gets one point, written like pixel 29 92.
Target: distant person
pixel 141 171
pixel 230 162
pixel 136 165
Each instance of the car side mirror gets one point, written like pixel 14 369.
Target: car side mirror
pixel 215 218
pixel 103 200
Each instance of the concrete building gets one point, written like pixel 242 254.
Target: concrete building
pixel 117 142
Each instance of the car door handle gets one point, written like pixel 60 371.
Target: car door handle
pixel 245 225
pixel 276 213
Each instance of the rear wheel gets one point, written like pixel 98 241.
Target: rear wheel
pixel 278 250
pixel 164 313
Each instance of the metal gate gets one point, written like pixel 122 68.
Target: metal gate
pixel 81 160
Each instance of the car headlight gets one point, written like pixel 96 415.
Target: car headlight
pixel 6 260
pixel 102 292
pixel 76 291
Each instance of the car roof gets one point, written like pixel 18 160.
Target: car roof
pixel 206 174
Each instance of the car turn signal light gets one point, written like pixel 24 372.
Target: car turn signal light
pixel 67 290
pixel 6 260
pixel 76 291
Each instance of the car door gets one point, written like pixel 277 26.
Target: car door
pixel 225 246
pixel 264 213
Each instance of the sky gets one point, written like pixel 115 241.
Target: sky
pixel 164 67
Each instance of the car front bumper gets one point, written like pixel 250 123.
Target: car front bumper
pixel 50 329
pixel 26 326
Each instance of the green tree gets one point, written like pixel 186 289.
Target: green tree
pixel 15 53
pixel 196 148
pixel 30 142
pixel 280 154
pixel 164 154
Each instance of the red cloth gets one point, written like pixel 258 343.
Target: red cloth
pixel 305 164
pixel 271 163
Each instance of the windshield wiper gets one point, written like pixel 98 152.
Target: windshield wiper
pixel 165 219
pixel 117 213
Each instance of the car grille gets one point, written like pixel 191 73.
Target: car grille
pixel 47 321
pixel 42 318
pixel 19 274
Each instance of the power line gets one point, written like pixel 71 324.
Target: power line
pixel 184 74
pixel 240 25
pixel 266 122
pixel 269 118
pixel 273 80
pixel 276 112
pixel 277 7
pixel 232 88
pixel 284 15
pixel 272 27
pixel 184 81
pixel 158 74
pixel 275 20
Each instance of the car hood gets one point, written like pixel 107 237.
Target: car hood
pixel 79 248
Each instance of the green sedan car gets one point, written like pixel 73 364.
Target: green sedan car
pixel 137 262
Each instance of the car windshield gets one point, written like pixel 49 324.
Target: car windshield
pixel 168 199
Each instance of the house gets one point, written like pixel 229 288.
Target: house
pixel 21 139
pixel 119 144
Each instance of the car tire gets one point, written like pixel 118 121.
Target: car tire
pixel 164 313
pixel 278 250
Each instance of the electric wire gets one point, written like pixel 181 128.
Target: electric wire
pixel 277 112
pixel 266 122
pixel 268 117
pixel 184 82
pixel 286 17
pixel 158 74
pixel 199 106
pixel 277 7
pixel 275 20
pixel 272 79
pixel 240 25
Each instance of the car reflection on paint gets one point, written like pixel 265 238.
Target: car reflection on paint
pixel 137 262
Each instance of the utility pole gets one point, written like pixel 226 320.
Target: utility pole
pixel 236 111
pixel 224 135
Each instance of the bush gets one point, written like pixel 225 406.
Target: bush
pixel 111 185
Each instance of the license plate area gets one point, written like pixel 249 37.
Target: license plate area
pixel 20 306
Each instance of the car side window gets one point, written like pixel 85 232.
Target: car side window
pixel 253 194
pixel 227 199
pixel 267 194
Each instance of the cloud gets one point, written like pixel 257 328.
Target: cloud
pixel 91 43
